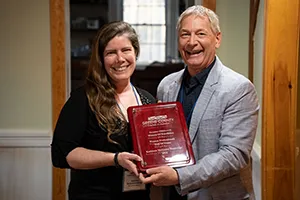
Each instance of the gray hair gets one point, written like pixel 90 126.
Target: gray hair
pixel 201 11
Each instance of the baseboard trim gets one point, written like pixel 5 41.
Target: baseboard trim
pixel 25 138
pixel 256 170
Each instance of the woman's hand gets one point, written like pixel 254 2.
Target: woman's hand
pixel 127 161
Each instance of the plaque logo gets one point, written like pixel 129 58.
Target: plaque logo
pixel 159 117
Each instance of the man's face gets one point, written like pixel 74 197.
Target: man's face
pixel 197 43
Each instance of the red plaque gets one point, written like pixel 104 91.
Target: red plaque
pixel 160 135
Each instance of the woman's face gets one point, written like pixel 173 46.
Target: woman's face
pixel 119 59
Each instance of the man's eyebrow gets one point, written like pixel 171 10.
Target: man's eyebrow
pixel 186 30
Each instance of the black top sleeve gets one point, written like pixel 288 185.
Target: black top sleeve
pixel 78 127
pixel 70 127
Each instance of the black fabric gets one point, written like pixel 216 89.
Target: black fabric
pixel 192 87
pixel 77 127
pixel 175 196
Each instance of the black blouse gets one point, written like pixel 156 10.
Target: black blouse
pixel 77 127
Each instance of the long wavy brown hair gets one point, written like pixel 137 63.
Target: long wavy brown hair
pixel 101 90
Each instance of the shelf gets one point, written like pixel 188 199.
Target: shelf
pixel 77 64
pixel 80 58
pixel 84 30
pixel 89 2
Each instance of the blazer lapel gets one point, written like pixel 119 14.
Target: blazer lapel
pixel 174 87
pixel 204 98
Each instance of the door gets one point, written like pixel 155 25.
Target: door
pixel 279 109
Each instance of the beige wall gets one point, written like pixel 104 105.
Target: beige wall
pixel 25 103
pixel 25 67
pixel 258 82
pixel 234 22
pixel 198 2
pixel 258 63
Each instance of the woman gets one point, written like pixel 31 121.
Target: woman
pixel 91 135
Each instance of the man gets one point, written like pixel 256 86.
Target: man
pixel 221 110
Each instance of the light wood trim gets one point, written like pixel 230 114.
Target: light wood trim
pixel 297 176
pixel 254 5
pixel 211 4
pixel 251 43
pixel 57 25
pixel 279 99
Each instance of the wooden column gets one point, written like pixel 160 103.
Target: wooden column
pixel 279 99
pixel 254 5
pixel 57 25
pixel 211 4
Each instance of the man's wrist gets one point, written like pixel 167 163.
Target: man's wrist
pixel 178 182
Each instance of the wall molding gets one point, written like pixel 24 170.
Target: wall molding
pixel 18 138
pixel 256 170
pixel 256 151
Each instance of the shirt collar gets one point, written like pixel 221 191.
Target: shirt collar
pixel 199 78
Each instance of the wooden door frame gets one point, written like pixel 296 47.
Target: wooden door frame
pixel 58 72
pixel 253 11
pixel 211 4
pixel 281 46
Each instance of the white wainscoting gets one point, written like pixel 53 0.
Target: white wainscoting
pixel 25 165
pixel 256 170
pixel 26 168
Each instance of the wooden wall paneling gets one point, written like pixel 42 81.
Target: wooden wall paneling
pixel 297 181
pixel 279 99
pixel 211 4
pixel 254 5
pixel 57 26
pixel 297 175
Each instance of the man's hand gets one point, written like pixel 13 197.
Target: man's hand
pixel 160 176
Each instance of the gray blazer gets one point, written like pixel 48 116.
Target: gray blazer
pixel 223 128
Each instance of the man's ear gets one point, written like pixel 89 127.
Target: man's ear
pixel 218 40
